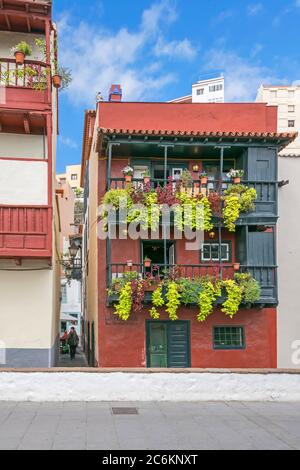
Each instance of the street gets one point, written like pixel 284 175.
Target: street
pixel 155 426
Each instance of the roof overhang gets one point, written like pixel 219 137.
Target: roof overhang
pixel 277 139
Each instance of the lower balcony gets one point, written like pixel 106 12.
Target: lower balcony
pixel 25 232
pixel 266 277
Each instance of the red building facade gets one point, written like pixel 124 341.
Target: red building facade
pixel 166 141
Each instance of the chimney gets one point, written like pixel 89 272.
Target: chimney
pixel 115 93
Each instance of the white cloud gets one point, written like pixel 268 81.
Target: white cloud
pixel 99 57
pixel 254 9
pixel 223 15
pixel 67 142
pixel 257 48
pixel 175 49
pixel 242 78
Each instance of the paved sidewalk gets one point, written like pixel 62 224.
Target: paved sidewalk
pixel 79 361
pixel 157 426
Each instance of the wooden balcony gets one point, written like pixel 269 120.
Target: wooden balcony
pixel 25 86
pixel 25 232
pixel 266 203
pixel 265 275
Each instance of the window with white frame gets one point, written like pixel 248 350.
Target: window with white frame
pixel 291 108
pixel 200 91
pixel 64 294
pixel 211 252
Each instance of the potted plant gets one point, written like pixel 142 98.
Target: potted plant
pixel 128 173
pixel 236 266
pixel 62 78
pixel 236 175
pixel 147 262
pixel 57 80
pixel 21 51
pixel 147 176
pixel 203 178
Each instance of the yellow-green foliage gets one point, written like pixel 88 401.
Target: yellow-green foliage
pixel 158 301
pixel 231 212
pixel 123 308
pixel 193 213
pixel 238 198
pixel 234 298
pixel 207 296
pixel 173 300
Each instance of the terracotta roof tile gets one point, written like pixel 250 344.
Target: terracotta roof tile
pixel 268 135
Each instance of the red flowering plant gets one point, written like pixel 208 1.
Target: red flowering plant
pixel 216 203
pixel 167 193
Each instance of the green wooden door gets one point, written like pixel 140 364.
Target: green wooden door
pixel 168 344
pixel 158 345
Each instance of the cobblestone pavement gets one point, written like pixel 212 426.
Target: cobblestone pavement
pixel 157 426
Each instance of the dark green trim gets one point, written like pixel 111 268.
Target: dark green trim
pixel 229 348
pixel 167 322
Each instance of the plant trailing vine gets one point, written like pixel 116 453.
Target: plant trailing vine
pixel 174 291
pixel 208 295
pixel 124 306
pixel 157 301
pixel 237 198
pixel 173 300
pixel 234 298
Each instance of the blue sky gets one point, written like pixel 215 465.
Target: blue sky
pixel 156 49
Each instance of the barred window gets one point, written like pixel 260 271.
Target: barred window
pixel 229 337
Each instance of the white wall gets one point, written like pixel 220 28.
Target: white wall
pixel 124 387
pixel 23 183
pixel 26 308
pixel 208 96
pixel 9 40
pixel 289 264
pixel 23 146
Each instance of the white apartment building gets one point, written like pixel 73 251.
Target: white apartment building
pixel 287 98
pixel 211 90
pixel 29 206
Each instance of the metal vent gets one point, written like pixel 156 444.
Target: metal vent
pixel 124 411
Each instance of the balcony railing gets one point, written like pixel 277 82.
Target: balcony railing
pixel 191 271
pixel 265 275
pixel 33 74
pixel 25 231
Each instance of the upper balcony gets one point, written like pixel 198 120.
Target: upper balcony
pixel 24 86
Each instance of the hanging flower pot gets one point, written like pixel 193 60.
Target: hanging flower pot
pixel 128 178
pixel 56 81
pixel 147 263
pixel 20 57
pixel 146 179
pixel 203 178
pixel 237 266
pixel 237 180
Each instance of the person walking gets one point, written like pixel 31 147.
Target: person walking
pixel 73 341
